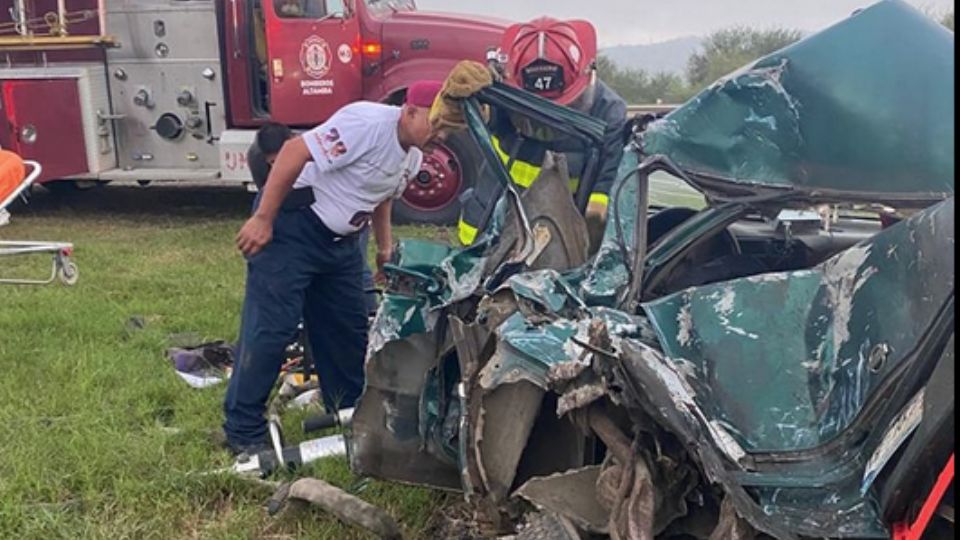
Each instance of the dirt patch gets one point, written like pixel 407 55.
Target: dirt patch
pixel 455 519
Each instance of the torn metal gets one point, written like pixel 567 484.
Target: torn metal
pixel 716 373
pixel 838 111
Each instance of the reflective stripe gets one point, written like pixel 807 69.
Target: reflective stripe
pixel 600 198
pixel 522 173
pixel 467 233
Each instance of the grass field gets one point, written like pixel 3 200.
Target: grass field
pixel 99 437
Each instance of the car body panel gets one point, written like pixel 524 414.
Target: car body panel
pixel 771 401
pixel 848 110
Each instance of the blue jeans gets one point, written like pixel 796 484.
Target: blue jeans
pixel 304 272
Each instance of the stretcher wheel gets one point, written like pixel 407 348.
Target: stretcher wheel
pixel 68 273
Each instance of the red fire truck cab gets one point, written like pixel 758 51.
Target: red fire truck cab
pixel 172 90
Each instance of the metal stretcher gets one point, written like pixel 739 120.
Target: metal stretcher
pixel 14 181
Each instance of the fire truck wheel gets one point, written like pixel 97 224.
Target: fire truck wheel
pixel 433 196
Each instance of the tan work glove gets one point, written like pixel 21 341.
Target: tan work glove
pixel 466 78
pixel 596 218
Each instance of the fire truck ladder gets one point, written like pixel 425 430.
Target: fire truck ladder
pixel 50 31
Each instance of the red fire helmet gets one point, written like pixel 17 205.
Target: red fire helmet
pixel 551 58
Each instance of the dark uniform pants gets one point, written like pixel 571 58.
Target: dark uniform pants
pixel 305 271
pixel 368 285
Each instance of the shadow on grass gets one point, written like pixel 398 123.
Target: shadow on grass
pixel 163 201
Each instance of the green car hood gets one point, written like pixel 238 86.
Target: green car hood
pixel 861 110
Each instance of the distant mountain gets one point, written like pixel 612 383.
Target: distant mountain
pixel 669 56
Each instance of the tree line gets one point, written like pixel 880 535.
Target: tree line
pixel 720 53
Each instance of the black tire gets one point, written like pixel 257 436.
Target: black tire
pixel 468 156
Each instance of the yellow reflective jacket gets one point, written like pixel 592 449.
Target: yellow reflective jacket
pixel 525 169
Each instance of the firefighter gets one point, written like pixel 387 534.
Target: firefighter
pixel 260 157
pixel 303 260
pixel 556 60
pixel 263 152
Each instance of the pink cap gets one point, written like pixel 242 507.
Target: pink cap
pixel 422 93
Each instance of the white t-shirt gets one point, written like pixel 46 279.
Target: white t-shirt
pixel 357 164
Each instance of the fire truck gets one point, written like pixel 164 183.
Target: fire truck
pixel 174 90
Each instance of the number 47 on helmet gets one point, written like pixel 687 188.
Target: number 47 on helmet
pixel 551 58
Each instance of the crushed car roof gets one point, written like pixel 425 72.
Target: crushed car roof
pixel 865 107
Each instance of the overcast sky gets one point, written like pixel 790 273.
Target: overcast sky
pixel 650 21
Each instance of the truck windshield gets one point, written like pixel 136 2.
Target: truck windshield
pixel 381 7
pixel 309 9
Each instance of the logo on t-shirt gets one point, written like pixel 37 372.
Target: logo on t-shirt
pixel 315 57
pixel 330 144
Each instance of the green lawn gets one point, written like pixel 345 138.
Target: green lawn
pixel 100 439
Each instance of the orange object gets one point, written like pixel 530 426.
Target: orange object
pixel 372 49
pixel 12 173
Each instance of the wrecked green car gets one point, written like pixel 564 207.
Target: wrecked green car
pixel 776 363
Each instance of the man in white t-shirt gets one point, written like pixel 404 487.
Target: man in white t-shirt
pixel 302 254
